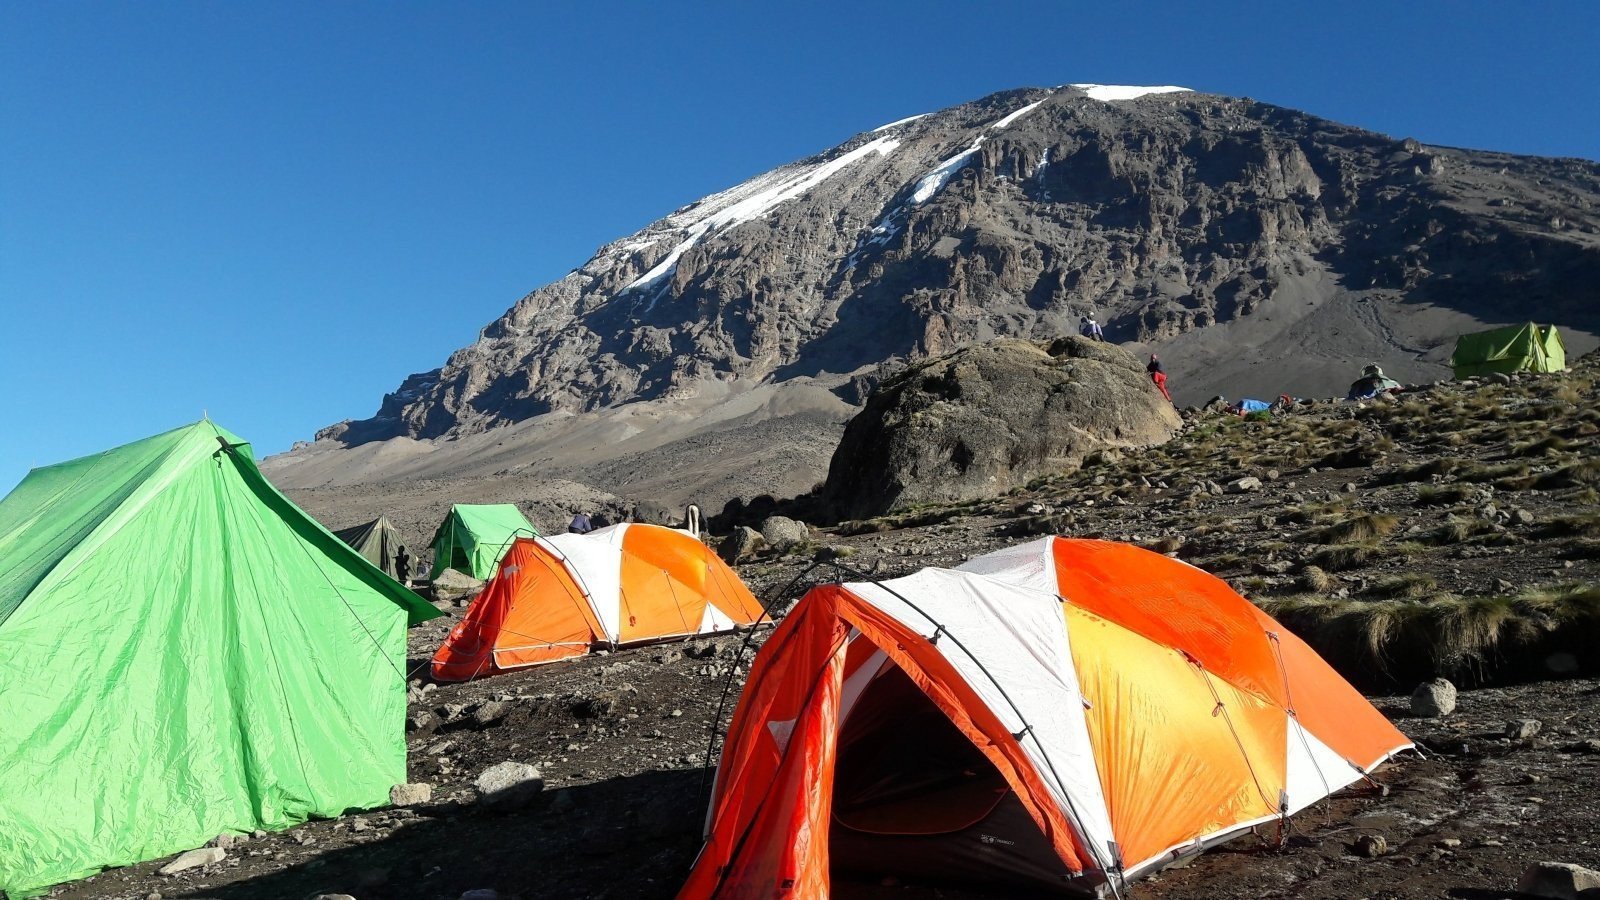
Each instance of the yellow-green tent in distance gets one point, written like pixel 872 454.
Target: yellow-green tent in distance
pixel 1515 348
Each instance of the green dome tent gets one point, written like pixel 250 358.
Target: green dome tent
pixel 472 539
pixel 1515 348
pixel 377 541
pixel 186 653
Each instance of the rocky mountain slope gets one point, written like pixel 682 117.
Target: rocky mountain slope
pixel 1454 531
pixel 1262 249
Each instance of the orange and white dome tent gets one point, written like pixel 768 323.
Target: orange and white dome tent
pixel 1064 715
pixel 557 597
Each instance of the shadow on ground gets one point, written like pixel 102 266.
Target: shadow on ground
pixel 581 841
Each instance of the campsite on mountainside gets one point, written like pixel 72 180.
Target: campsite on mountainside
pixel 633 452
pixel 1400 551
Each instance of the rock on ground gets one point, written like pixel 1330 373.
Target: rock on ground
pixel 1245 484
pixel 410 794
pixel 454 586
pixel 784 533
pixel 508 786
pixel 1560 881
pixel 194 859
pixel 743 543
pixel 1523 729
pixel 1433 698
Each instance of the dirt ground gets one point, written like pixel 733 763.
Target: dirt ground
pixel 622 739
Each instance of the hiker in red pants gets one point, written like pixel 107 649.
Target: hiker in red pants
pixel 1158 375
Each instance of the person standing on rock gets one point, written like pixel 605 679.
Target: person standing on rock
pixel 1090 329
pixel 1158 374
pixel 580 523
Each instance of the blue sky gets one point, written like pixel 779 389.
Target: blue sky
pixel 276 211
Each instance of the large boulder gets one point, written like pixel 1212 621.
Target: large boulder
pixel 979 421
pixel 783 533
pixel 743 543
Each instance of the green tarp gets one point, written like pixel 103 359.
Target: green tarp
pixel 377 541
pixel 186 653
pixel 471 539
pixel 1517 348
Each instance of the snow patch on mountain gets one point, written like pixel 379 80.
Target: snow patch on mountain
pixel 1039 167
pixel 1108 92
pixel 751 201
pixel 934 182
pixel 1016 115
pixel 901 122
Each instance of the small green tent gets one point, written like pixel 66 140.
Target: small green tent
pixel 471 539
pixel 1515 348
pixel 186 653
pixel 377 541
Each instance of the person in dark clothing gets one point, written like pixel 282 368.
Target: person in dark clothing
pixel 580 523
pixel 402 565
pixel 1158 374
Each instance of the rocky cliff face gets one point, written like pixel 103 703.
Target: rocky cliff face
pixel 1167 213
pixel 977 422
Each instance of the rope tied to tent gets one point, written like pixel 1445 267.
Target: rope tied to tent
pixel 1288 699
pixel 1220 710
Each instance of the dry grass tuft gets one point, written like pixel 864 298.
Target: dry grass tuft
pixel 1425 471
pixel 1484 472
pixel 1411 586
pixel 1359 529
pixel 1587 496
pixel 1467 638
pixel 1028 526
pixel 1583 473
pixel 1168 544
pixel 1550 445
pixel 1361 455
pixel 1457 530
pixel 1343 557
pixel 1443 494
pixel 862 526
pixel 1574 525
pixel 1317 513
pixel 1316 580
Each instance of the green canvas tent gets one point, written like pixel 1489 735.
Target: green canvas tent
pixel 471 539
pixel 1516 348
pixel 377 541
pixel 186 653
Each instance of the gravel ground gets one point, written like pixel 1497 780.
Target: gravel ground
pixel 621 738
